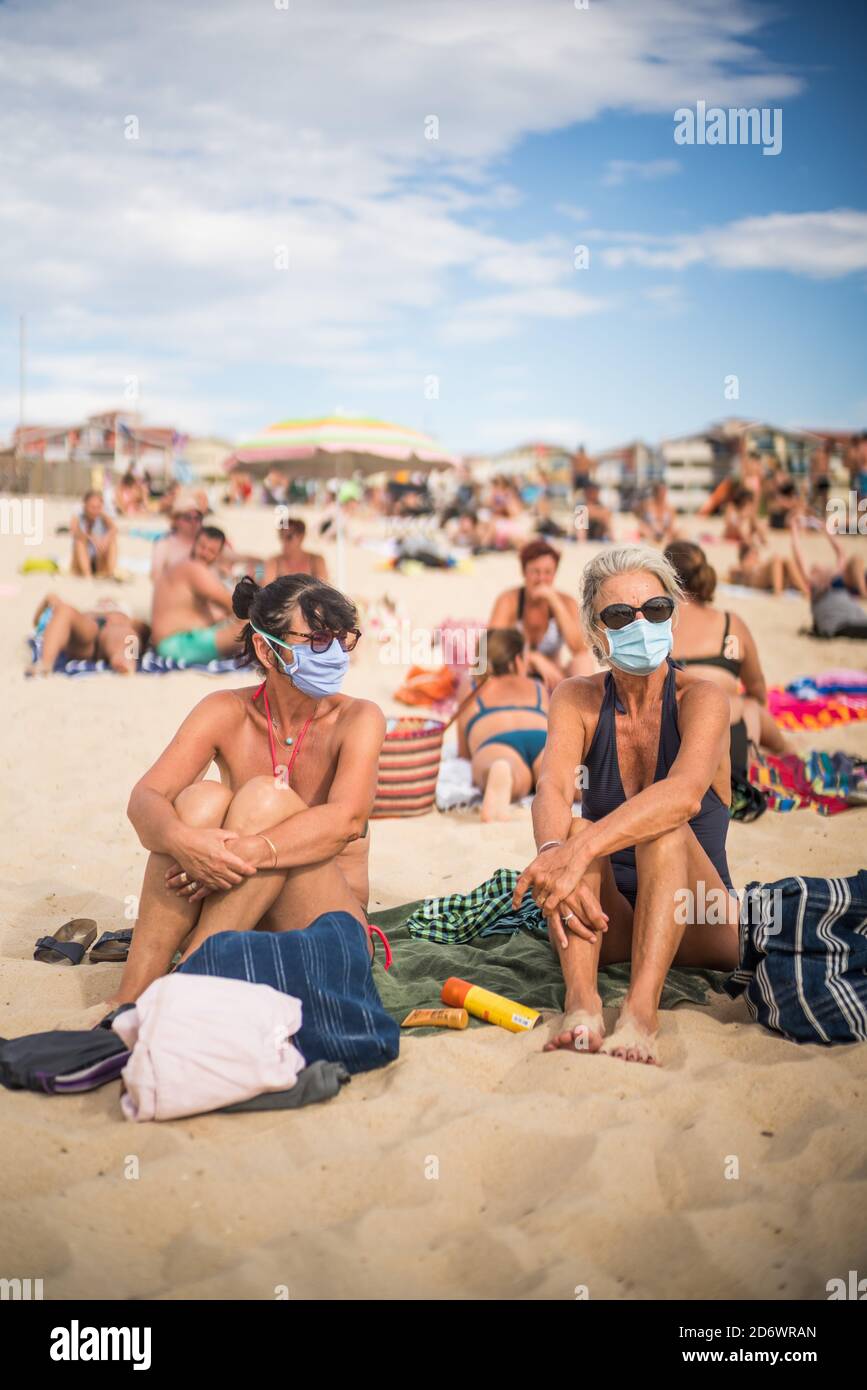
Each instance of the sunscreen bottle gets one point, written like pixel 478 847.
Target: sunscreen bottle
pixel 493 1008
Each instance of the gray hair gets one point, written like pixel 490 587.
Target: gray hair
pixel 622 559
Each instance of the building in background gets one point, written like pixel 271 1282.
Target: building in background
pixel 694 465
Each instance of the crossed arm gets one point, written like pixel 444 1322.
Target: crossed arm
pixel 220 859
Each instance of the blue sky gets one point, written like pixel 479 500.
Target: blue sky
pixel 261 128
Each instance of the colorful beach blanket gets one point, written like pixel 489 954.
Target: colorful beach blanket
pixel 791 783
pixel 818 711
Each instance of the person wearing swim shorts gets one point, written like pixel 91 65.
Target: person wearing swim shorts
pixel 186 597
pixel 504 730
pixel 632 878
pixel 281 838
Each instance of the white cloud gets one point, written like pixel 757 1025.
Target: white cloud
pixel 305 127
pixel 823 245
pixel 623 170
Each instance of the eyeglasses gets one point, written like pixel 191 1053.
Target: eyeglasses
pixel 655 610
pixel 321 640
pixel 189 516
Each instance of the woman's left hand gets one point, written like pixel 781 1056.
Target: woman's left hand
pixel 252 848
pixel 554 880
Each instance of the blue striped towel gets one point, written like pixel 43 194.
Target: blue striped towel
pixel 327 967
pixel 803 958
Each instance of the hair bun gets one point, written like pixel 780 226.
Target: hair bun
pixel 243 595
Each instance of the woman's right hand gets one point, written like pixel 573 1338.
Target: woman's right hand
pixel 207 858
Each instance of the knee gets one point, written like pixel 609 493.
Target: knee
pixel 661 847
pixel 261 802
pixel 203 805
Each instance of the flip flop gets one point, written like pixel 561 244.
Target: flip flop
pixel 111 946
pixel 69 943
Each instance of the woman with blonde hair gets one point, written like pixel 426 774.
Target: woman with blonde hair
pixel 504 732
pixel 636 876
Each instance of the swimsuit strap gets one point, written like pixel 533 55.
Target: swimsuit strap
pixel 372 930
pixel 522 593
pixel 299 740
pixel 539 699
pixel 722 649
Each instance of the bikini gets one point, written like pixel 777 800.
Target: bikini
pixel 552 638
pixel 719 660
pixel 282 773
pixel 527 743
pixel 604 790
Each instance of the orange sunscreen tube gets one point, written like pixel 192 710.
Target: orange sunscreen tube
pixel 493 1008
pixel 436 1018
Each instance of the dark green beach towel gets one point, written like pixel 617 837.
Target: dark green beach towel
pixel 518 965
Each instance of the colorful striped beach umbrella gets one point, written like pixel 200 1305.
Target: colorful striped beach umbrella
pixel 339 445
pixel 336 447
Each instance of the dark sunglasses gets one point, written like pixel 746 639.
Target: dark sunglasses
pixel 655 610
pixel 320 641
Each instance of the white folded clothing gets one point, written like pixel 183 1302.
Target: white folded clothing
pixel 200 1042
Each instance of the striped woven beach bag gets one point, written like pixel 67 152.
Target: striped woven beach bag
pixel 409 766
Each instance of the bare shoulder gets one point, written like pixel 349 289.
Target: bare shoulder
pixel 701 698
pixel 579 694
pixel 225 707
pixel 361 714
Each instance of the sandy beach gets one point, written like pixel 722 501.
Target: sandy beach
pixel 554 1171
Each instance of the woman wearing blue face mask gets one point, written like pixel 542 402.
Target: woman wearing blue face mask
pixel 642 875
pixel 280 840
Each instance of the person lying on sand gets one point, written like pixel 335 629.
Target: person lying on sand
pixel 651 752
pixel 191 606
pixel 104 633
pixel 293 558
pixel 94 539
pixel 504 732
pixel 834 590
pixel 772 575
pixel 547 617
pixel 282 837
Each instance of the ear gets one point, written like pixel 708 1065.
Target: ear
pixel 263 651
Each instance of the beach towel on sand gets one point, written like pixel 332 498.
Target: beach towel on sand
pixel 803 958
pixel 150 664
pixel 514 960
pixel 327 967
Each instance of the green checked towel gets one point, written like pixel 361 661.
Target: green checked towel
pixel 499 949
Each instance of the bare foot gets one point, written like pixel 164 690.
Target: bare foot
pixel 582 1030
pixel 632 1042
pixel 37 669
pixel 497 801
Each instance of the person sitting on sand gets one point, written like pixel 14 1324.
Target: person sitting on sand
pixel 548 619
pixel 653 750
pixel 282 836
pixel 719 647
pixel 741 520
pixel 94 539
pixel 593 521
pixel 187 517
pixel 656 518
pixel 772 575
pixel 191 606
pixel 293 558
pixel 833 590
pixel 104 633
pixel 504 732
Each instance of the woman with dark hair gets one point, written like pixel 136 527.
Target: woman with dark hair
pixel 719 647
pixel 503 730
pixel 280 839
pixel 548 618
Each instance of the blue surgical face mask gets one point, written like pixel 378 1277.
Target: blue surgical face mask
pixel 640 647
pixel 313 673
